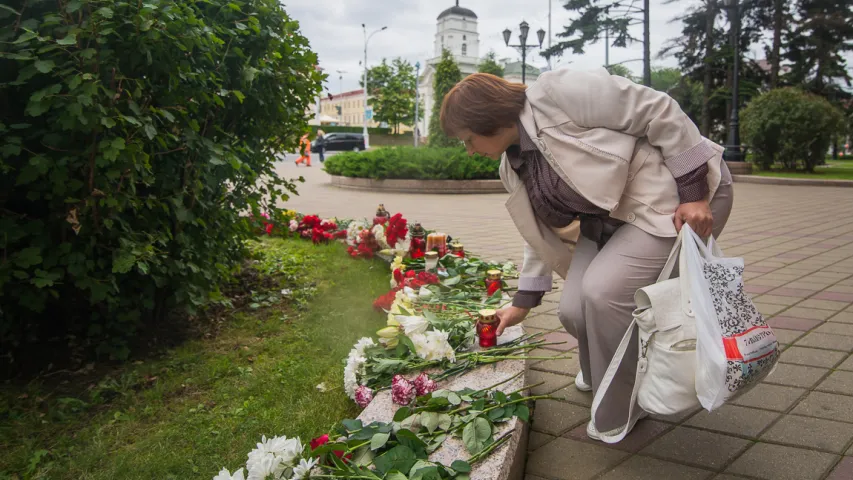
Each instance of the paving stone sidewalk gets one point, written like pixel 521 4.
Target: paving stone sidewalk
pixel 797 425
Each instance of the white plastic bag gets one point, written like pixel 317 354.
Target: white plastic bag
pixel 735 348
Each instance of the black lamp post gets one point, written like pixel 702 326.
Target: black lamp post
pixel 733 151
pixel 524 28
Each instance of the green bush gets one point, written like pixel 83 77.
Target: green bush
pixel 413 163
pixel 133 136
pixel 790 127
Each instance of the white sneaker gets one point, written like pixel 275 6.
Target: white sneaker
pixel 581 385
pixel 593 433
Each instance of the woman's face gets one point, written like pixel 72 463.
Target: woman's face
pixel 492 147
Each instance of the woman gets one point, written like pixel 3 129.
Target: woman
pixel 623 160
pixel 321 145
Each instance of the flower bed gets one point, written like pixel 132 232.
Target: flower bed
pixel 428 413
pixel 422 163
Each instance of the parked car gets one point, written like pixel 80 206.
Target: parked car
pixel 339 141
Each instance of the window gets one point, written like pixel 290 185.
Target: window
pixel 464 37
pixel 464 50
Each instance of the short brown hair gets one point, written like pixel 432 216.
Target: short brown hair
pixel 482 103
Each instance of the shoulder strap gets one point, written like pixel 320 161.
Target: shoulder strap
pixel 608 379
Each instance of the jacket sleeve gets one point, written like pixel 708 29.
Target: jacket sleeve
pixel 599 100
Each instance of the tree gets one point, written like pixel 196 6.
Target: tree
pixel 491 65
pixel 392 91
pixel 597 17
pixel 135 140
pixel 665 79
pixel 821 34
pixel 622 71
pixel 447 75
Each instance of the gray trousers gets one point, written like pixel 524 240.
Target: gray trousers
pixel 598 299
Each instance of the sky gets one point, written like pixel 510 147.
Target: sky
pixel 334 30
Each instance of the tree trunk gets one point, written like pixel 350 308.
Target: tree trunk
pixel 778 6
pixel 647 47
pixel 711 6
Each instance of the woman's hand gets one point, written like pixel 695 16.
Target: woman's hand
pixel 697 215
pixel 509 316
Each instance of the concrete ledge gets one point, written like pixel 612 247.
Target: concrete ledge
pixel 420 186
pixel 506 462
pixel 739 168
pixel 805 182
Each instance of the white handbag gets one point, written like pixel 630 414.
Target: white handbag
pixel 666 366
pixel 666 382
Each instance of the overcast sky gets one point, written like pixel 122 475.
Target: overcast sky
pixel 334 29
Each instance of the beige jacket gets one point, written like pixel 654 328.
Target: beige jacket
pixel 610 139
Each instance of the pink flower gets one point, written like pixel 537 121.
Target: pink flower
pixel 402 390
pixel 294 225
pixel 363 396
pixel 425 385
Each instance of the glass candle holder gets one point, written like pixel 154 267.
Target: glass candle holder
pixel 493 281
pixel 382 215
pixel 457 249
pixel 437 241
pixel 417 247
pixel 430 261
pixel 487 327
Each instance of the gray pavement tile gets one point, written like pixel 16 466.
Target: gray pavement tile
pixel 645 468
pixel 826 405
pixel 552 381
pixel 837 382
pixel 810 313
pixel 697 447
pixel 537 440
pixel 677 418
pixel 843 470
pixel 847 364
pixel 842 317
pixel 545 321
pixel 811 356
pixel 769 309
pixel 787 337
pixel 573 395
pixel 643 434
pixel 834 328
pixel 563 366
pixel 770 397
pixel 810 433
pixel 555 418
pixel 796 375
pixel 825 340
pixel 735 420
pixel 777 462
pixel 567 459
pixel 830 305
pixel 792 323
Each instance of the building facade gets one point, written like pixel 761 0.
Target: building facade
pixel 456 31
pixel 351 111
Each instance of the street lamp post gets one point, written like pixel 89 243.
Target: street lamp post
pixel 417 100
pixel 524 29
pixel 733 151
pixel 364 117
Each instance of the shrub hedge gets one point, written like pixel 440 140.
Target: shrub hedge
pixel 413 163
pixel 133 137
pixel 346 129
pixel 790 127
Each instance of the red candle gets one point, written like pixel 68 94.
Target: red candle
pixel 458 250
pixel 487 328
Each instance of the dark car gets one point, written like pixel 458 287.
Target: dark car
pixel 338 141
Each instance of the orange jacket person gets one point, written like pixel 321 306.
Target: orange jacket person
pixel 305 148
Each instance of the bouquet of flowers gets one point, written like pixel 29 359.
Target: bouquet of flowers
pixel 365 239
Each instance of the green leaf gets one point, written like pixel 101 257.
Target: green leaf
pixel 363 456
pixel 150 131
pixel 70 39
pixel 108 122
pixel 452 281
pixel 105 12
pixel 430 421
pixel 26 36
pixel 239 95
pixel 476 434
pixel 402 414
pixel 460 466
pixel 379 440
pixel 400 458
pixel 445 421
pixel 454 398
pixel 73 6
pixel 352 424
pixel 6 7
pixel 44 66
pixel 395 476
pixel 496 414
pixel 27 257
pixel 523 413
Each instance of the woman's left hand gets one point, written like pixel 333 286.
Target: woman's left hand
pixel 697 215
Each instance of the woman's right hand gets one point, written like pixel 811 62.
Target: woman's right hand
pixel 509 316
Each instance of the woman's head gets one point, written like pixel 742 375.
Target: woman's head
pixel 482 110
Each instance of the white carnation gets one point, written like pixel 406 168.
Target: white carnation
pixel 379 233
pixel 303 470
pixel 355 363
pixel 224 475
pixel 273 456
pixel 433 345
pixel 413 324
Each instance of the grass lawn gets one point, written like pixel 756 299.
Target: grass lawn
pixel 834 170
pixel 189 411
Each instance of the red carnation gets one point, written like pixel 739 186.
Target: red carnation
pixel 268 228
pixel 396 229
pixel 385 301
